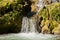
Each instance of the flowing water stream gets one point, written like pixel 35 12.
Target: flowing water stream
pixel 28 30
pixel 28 25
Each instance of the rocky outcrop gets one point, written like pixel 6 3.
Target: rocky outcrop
pixel 50 18
pixel 45 27
pixel 33 6
pixel 56 30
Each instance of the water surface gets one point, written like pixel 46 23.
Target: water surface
pixel 29 36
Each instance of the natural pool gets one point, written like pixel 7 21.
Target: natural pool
pixel 29 36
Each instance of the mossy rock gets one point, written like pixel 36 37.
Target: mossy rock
pixel 51 12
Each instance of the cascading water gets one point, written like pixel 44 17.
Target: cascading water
pixel 28 31
pixel 25 25
pixel 28 25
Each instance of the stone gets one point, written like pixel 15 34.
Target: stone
pixel 45 28
pixel 56 30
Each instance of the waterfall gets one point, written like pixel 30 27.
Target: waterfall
pixel 28 25
pixel 29 30
pixel 25 25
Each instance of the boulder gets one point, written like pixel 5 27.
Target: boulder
pixel 45 28
pixel 56 30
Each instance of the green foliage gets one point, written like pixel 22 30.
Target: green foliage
pixel 54 11
pixel 44 14
pixel 11 14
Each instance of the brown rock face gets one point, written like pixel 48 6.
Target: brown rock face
pixel 45 28
pixel 33 6
pixel 56 30
pixel 47 1
pixel 50 18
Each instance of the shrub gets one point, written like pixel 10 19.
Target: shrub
pixel 11 14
